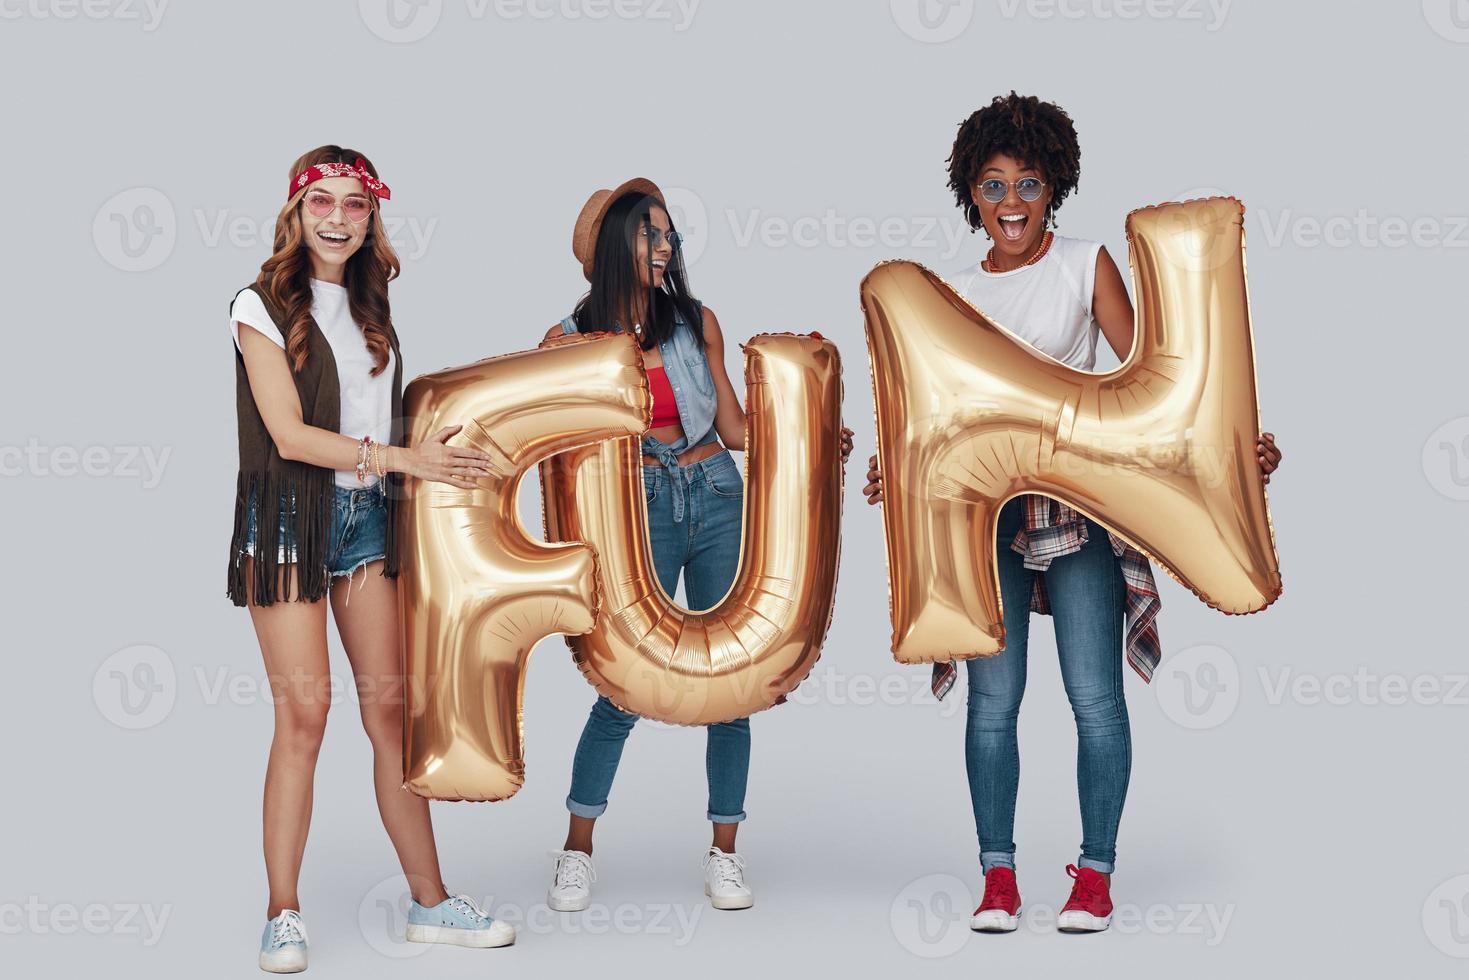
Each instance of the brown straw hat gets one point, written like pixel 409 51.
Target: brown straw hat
pixel 589 222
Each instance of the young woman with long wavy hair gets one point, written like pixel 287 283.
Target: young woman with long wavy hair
pixel 319 381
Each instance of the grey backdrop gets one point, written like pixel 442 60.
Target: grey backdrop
pixel 1297 792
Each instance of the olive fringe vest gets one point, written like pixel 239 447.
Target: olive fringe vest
pixel 264 477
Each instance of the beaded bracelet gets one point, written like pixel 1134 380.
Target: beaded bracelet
pixel 363 449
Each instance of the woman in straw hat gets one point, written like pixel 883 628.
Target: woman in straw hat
pixel 629 253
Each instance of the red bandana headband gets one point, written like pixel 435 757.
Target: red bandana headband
pixel 359 170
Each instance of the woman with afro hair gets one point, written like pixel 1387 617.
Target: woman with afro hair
pixel 1013 163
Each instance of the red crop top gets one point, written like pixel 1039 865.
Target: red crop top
pixel 665 409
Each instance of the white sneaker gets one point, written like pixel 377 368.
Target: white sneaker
pixel 571 889
pixel 724 880
pixel 283 945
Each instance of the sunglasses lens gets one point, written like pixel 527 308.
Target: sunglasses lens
pixel 992 191
pixel 1029 189
pixel 355 209
pixel 674 240
pixel 319 204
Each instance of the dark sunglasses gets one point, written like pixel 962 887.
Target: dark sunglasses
pixel 656 237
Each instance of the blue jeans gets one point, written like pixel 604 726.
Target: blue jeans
pixel 704 545
pixel 1086 591
pixel 359 530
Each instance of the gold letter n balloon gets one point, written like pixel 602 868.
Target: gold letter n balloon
pixel 1161 450
pixel 655 659
pixel 475 592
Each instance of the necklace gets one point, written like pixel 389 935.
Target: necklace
pixel 989 260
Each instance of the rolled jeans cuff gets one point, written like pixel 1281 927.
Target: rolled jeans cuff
pixel 583 810
pixel 996 859
pixel 1102 867
pixel 725 817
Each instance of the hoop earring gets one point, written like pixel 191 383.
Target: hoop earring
pixel 971 214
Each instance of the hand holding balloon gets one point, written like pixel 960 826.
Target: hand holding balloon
pixel 873 490
pixel 433 459
pixel 1269 456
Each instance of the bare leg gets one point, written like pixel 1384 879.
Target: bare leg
pixel 368 623
pixel 579 834
pixel 724 836
pixel 292 639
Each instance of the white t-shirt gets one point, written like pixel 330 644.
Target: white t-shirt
pixel 1048 305
pixel 367 401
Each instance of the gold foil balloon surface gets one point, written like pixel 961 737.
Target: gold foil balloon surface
pixel 476 593
pixel 1161 450
pixel 650 656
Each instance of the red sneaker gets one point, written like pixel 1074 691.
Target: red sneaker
pixel 1089 909
pixel 1000 910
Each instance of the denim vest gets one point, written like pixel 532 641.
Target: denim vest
pixel 687 368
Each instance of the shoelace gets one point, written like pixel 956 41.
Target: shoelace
pixel 1085 891
pixel 287 928
pixel 573 870
pixel 999 892
pixel 467 904
pixel 728 868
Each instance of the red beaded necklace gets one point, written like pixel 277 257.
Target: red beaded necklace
pixel 1040 253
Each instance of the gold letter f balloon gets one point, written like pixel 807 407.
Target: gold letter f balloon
pixel 475 592
pixel 1161 450
pixel 648 655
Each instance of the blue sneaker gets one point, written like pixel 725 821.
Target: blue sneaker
pixel 283 946
pixel 457 921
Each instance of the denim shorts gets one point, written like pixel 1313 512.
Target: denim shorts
pixel 359 530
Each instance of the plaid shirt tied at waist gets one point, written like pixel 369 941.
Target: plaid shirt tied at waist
pixel 1053 529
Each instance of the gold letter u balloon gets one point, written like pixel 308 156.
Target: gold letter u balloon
pixel 1161 450
pixel 655 659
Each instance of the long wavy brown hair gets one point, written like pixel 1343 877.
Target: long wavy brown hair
pixel 286 275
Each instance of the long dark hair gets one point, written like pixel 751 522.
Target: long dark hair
pixel 616 287
pixel 286 275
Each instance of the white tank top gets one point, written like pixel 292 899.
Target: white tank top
pixel 367 401
pixel 1048 305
